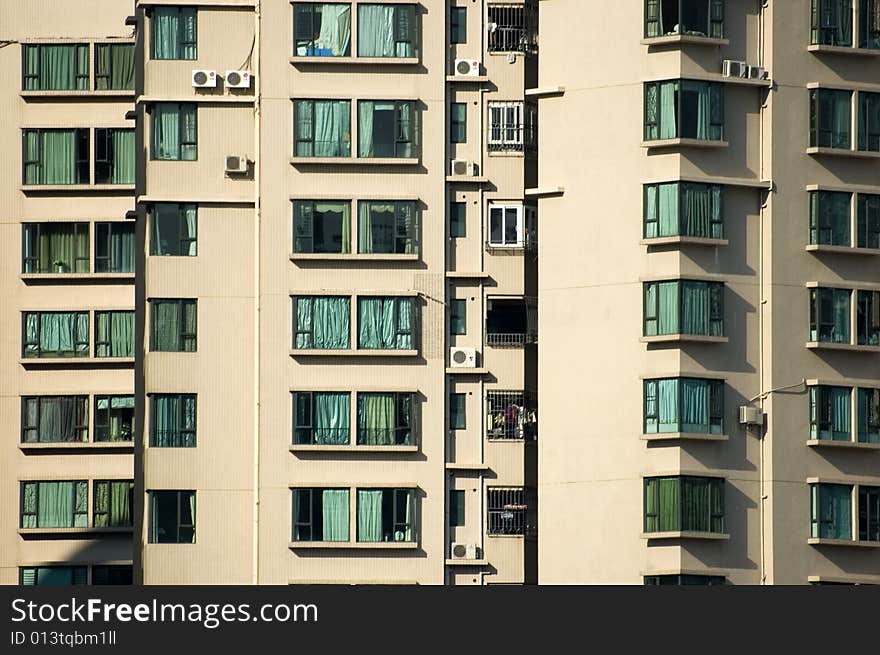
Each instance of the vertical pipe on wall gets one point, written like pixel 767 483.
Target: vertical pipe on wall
pixel 255 573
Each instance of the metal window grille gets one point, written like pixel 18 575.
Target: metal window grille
pixel 513 28
pixel 506 510
pixel 511 415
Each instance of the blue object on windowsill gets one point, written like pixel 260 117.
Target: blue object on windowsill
pixel 312 51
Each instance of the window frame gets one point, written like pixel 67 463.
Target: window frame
pixel 414 326
pixel 715 193
pixel 110 487
pixel 457 25
pixel 182 43
pixel 182 494
pixel 822 99
pixel 714 404
pixel 296 396
pixel 817 519
pixel 403 425
pixel 401 238
pixel 458 122
pixel 182 433
pixel 400 143
pixel 457 411
pixel 78 574
pixel 81 228
pixel 297 140
pixel 822 217
pixel 298 213
pixel 868 120
pixel 315 504
pixel 184 240
pixel 868 220
pixel 100 414
pixel 396 492
pixel 714 18
pixel 81 155
pixel 457 514
pixel 512 126
pixel 458 316
pixel 867 330
pixel 81 418
pixel 413 37
pixel 78 486
pixel 183 337
pixel 457 219
pixel 868 513
pixel 823 414
pixel 104 231
pixel 823 23
pixel 820 299
pixel 81 349
pixel 182 139
pixel 715 124
pixel 714 307
pixel 78 76
pixel 717 522
pixel 109 343
pixel 507 504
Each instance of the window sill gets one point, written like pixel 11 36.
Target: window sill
pixel 501 153
pixel 851 543
pixel 843 50
pixel 71 531
pixel 310 352
pixel 684 143
pixel 74 361
pixel 827 443
pixel 78 277
pixel 505 536
pixel 850 347
pixel 369 61
pixel 467 371
pixel 467 467
pixel 355 161
pixel 683 338
pixel 80 93
pixel 76 445
pixel 360 545
pixel 842 250
pixel 309 448
pixel 467 562
pixel 473 79
pixel 684 39
pixel 684 241
pixel 54 188
pixel 684 436
pixel 299 256
pixel 468 179
pixel 686 534
pixel 844 152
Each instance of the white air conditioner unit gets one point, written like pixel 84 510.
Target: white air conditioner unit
pixel 467 68
pixel 463 167
pixel 757 72
pixel 749 415
pixel 462 357
pixel 236 164
pixel 464 551
pixel 204 79
pixel 733 68
pixel 238 79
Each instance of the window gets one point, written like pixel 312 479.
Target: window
pixel 113 503
pixel 54 419
pixel 457 411
pixel 321 418
pixel 684 307
pixel 174 128
pixel 114 247
pixel 506 226
pixel 830 214
pixel 684 109
pixel 174 230
pixel 55 67
pixel 830 413
pixel 868 415
pixel 385 419
pixel 831 511
pixel 114 66
pixel 55 248
pixel 512 126
pixel 830 315
pixel 173 33
pixel 868 221
pixel 511 322
pixel 173 420
pixel 691 17
pixel 869 513
pixel 55 504
pixel 322 322
pixel 114 156
pixel 686 405
pixel 114 418
pixel 683 209
pixel 386 515
pixel 112 575
pixel 388 227
pixel 868 318
pixel 832 22
pixel 52 575
pixel 869 24
pixel 506 510
pixel 320 515
pixel 457 219
pixel 172 517
pixel 458 122
pixel 321 29
pixel 386 323
pixel 321 226
pixel 458 24
pixel 830 118
pixel 456 508
pixel 114 334
pixel 513 28
pixel 458 316
pixel 684 580
pixel 55 156
pixel 55 334
pixel 387 30
pixel 869 121
pixel 684 504
pixel 511 415
pixel 322 128
pixel 388 128
pixel 173 327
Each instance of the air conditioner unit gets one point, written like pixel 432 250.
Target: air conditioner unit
pixel 464 551
pixel 236 164
pixel 467 68
pixel 238 79
pixel 733 68
pixel 757 72
pixel 204 79
pixel 462 357
pixel 749 415
pixel 463 167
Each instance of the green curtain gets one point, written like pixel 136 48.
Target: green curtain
pixel 696 201
pixel 694 308
pixel 369 511
pixel 323 322
pixel 122 248
pixel 695 504
pixel 386 227
pixel 662 510
pixel 57 67
pixel 332 128
pixel 385 323
pixel 334 504
pixel 668 308
pixel 57 334
pixel 332 415
pixel 171 123
pixel 60 505
pixel 115 67
pixel 173 421
pixel 831 509
pixel 65 243
pixel 376 31
pixel 376 419
pixel 652 220
pixel 117 329
pixel 653 19
pixel 113 503
pixel 669 210
pixel 699 92
pixel 667 405
pixel 668 110
pixel 694 406
pixel 166 326
pixel 123 157
pixel 174 229
pixel 56 164
pixel 174 32
pixel 365 125
pixel 55 418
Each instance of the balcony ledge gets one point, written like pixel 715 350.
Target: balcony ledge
pixel 314 448
pixel 684 241
pixel 78 277
pixel 354 161
pixel 686 534
pixel 75 361
pixel 77 188
pixel 360 545
pixel 857 445
pixel 341 257
pixel 843 152
pixel 311 352
pixel 467 179
pixel 79 93
pixel 849 347
pixel 76 445
pixel 467 562
pixel 683 338
pixel 842 250
pixel 361 61
pixel 473 79
pixel 466 371
pixel 38 532
pixel 466 467
pixel 851 543
pixel 684 436
pixel 843 50
pixel 684 39
pixel 684 143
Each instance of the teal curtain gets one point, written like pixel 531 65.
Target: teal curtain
pixel 365 125
pixel 323 322
pixel 869 415
pixel 696 201
pixel 667 405
pixel 55 507
pixel 376 419
pixel 54 419
pixel 662 508
pixel 668 110
pixel 695 504
pixel 114 67
pixel 166 326
pixel 386 31
pixel 652 220
pixel 694 406
pixel 123 157
pixel 58 67
pixel 840 412
pixel 173 421
pixel 694 308
pixel 669 210
pixel 334 504
pixel 331 124
pixel 174 131
pixel 53 576
pixel 332 416
pixel 115 334
pixel 668 308
pixel 385 323
pixel 112 503
pixel 174 33
pixel 842 319
pixel 369 515
pixel 57 334
pixel 335 34
pixel 122 248
pixel 56 248
pixel 831 511
pixel 58 162
pixel 699 92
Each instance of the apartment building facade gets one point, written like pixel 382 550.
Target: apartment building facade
pixel 724 256
pixel 67 344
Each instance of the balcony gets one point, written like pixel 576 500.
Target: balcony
pixel 511 322
pixel 511 416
